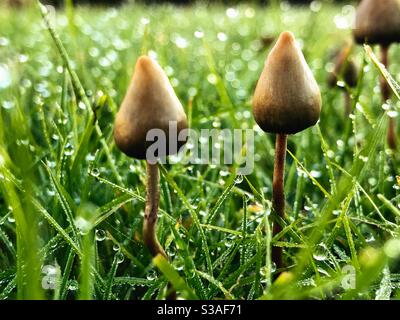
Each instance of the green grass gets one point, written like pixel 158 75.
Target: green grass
pixel 69 199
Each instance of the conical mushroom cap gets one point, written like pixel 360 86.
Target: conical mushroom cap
pixel 378 21
pixel 150 103
pixel 287 98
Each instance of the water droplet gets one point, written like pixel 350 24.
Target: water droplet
pixel 181 43
pixel 4 42
pixel 81 105
pixel 73 285
pixel 392 113
pixel 144 21
pixel 199 34
pixel 119 256
pixel 315 6
pixel 232 13
pixel 224 173
pixel 151 275
pixel 8 105
pixel 100 235
pixel 370 239
pixel 68 150
pixel 316 174
pixel 95 172
pixel 50 192
pixel 82 225
pixel 212 78
pixel 5 76
pixel 10 219
pixel 320 253
pixel 116 247
pixel 239 179
pixel 222 36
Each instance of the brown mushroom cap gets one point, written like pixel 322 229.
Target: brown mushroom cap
pixel 287 98
pixel 150 103
pixel 378 22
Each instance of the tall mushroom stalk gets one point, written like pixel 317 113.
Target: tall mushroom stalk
pixel 286 101
pixel 378 22
pixel 150 103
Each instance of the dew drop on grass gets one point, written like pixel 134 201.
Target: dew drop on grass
pixel 199 34
pixel 81 105
pixel 392 114
pixel 50 192
pixel 228 244
pixel 370 239
pixel 69 150
pixel 5 76
pixel 82 225
pixel 73 285
pixel 10 219
pixel 212 78
pixel 224 173
pixel 372 181
pixel 4 42
pixel 8 105
pixel 316 174
pixel 144 21
pixel 151 276
pixel 119 256
pixel 90 157
pixel 116 247
pixel 320 253
pixel 95 172
pixel 315 6
pixel 363 158
pixel 239 179
pixel 179 268
pixel 100 235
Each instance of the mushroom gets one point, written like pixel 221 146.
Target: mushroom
pixel 346 69
pixel 150 103
pixel 378 22
pixel 286 101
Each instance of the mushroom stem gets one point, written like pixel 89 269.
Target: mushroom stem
pixel 151 211
pixel 385 89
pixel 278 195
pixel 347 103
pixel 150 218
